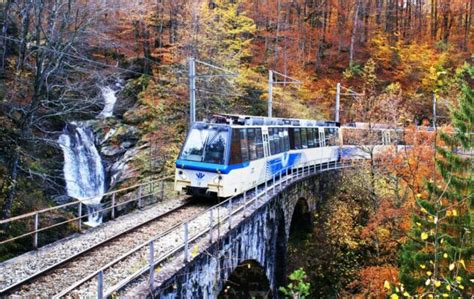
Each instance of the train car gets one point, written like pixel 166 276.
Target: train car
pixel 360 142
pixel 232 153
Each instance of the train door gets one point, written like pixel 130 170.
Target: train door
pixel 386 140
pixel 266 145
pixel 322 139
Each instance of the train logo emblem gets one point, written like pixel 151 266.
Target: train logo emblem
pixel 200 175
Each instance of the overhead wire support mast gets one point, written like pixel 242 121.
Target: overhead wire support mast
pixel 192 83
pixel 270 87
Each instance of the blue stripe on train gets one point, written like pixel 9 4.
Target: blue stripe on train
pixel 209 167
pixel 274 165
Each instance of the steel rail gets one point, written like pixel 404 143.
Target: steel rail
pixel 30 278
pixel 299 174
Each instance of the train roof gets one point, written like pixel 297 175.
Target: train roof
pixel 249 120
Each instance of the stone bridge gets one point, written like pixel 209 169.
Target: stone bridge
pixel 251 256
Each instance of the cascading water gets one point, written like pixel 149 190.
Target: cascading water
pixel 83 169
pixel 109 102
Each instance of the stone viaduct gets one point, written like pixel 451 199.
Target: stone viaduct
pixel 251 255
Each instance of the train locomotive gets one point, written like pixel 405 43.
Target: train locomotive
pixel 229 154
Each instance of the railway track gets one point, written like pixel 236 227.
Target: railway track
pixel 121 259
pixel 61 275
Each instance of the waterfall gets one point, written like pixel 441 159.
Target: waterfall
pixel 109 101
pixel 83 169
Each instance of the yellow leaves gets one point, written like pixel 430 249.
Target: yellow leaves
pixel 448 287
pixel 418 224
pixel 458 279
pixel 386 285
pixel 437 283
pixel 445 295
pixel 453 213
pixel 422 266
pixel 463 264
pixel 195 251
pixel 429 273
pixel 451 267
pixel 423 210
pixel 406 294
pixel 424 236
pixel 394 296
pixel 445 255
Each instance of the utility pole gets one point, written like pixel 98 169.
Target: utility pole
pixel 338 100
pixel 270 92
pixel 270 87
pixel 192 91
pixel 192 83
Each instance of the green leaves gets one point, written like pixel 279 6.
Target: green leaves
pixel 298 288
pixel 432 262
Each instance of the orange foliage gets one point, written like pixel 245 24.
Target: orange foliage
pixel 371 280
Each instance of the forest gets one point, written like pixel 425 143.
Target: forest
pixel 400 227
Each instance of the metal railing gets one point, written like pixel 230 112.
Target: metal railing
pixel 136 193
pixel 218 218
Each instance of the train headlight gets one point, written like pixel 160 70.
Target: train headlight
pixel 182 175
pixel 217 179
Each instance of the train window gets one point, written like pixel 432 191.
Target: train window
pixel 310 137
pixel 304 139
pixel 244 148
pixel 259 143
pixel 271 141
pixel 316 137
pixel 276 141
pixel 235 154
pixel 327 135
pixel 206 143
pixel 252 144
pixel 330 136
pixel 297 138
pixel 286 139
pixel 282 140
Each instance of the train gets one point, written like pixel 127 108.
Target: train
pixel 229 154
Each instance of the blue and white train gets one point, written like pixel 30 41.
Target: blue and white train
pixel 232 153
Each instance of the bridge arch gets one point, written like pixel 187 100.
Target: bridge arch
pixel 301 218
pixel 248 280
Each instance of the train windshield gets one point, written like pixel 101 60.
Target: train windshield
pixel 206 143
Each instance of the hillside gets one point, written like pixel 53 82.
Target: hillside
pixel 61 61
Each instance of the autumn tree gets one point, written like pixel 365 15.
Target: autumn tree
pixel 43 38
pixel 436 260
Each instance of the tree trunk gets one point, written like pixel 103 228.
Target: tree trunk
pixel 13 170
pixel 446 20
pixel 353 35
pixel 3 42
pixel 378 16
pixel 467 23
